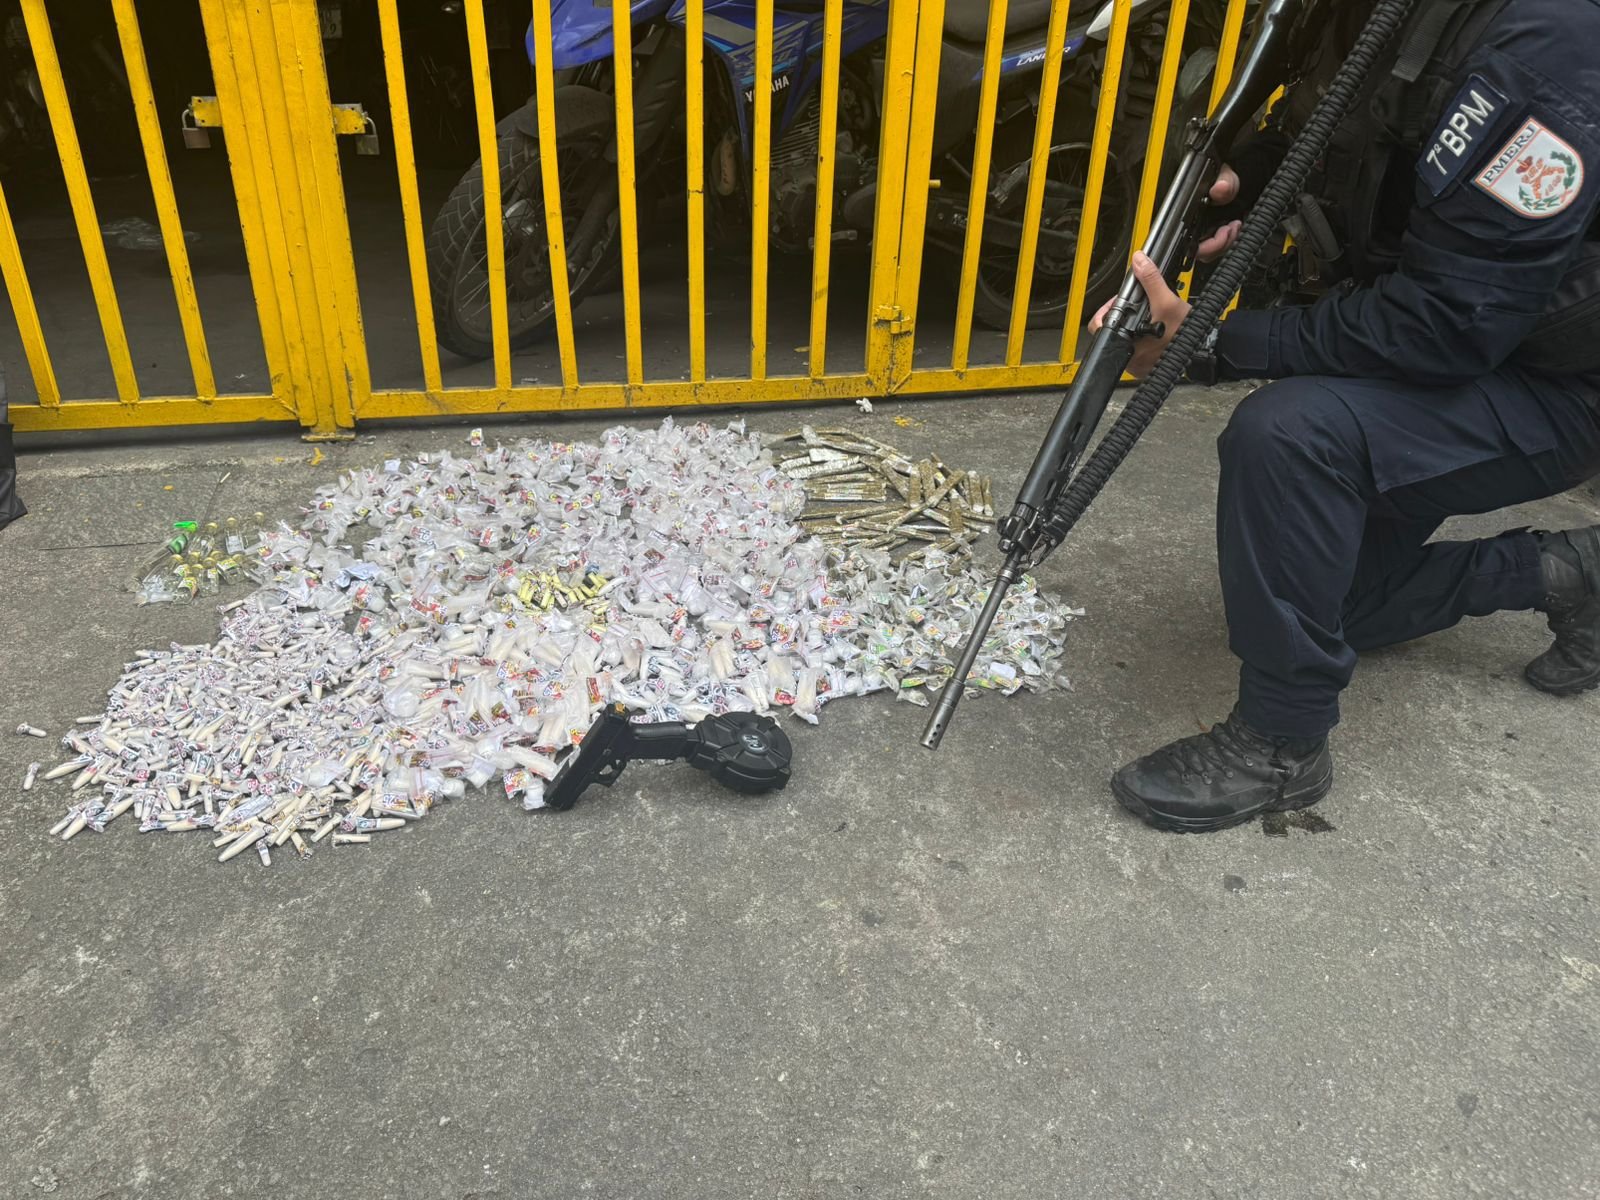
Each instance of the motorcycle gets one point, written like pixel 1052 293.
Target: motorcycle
pixel 102 105
pixel 583 98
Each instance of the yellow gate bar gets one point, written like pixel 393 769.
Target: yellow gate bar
pixel 1227 52
pixel 405 165
pixel 827 154
pixel 27 313
pixel 662 393
pixel 1104 114
pixel 151 412
pixel 83 214
pixel 494 243
pixel 883 314
pixel 155 157
pixel 694 14
pixel 1048 374
pixel 544 89
pixel 760 188
pixel 978 195
pixel 262 47
pixel 297 34
pixel 289 278
pixel 600 397
pixel 914 210
pixel 627 187
pixel 1160 120
pixel 265 241
pixel 1043 134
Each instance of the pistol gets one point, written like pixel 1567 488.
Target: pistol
pixel 740 750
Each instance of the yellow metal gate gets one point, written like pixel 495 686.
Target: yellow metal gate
pixel 281 128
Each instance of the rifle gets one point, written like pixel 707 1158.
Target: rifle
pixel 1053 497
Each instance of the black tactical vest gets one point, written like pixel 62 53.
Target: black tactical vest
pixel 1365 184
pixel 1350 222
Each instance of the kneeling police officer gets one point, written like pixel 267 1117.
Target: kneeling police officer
pixel 1452 367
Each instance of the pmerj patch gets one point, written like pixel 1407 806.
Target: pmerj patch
pixel 1536 174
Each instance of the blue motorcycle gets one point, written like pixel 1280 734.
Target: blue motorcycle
pixel 585 121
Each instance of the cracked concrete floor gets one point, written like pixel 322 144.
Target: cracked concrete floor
pixel 964 974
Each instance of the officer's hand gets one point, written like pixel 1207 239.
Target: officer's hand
pixel 1224 191
pixel 1167 308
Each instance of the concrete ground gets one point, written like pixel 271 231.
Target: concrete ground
pixel 966 974
pixel 959 975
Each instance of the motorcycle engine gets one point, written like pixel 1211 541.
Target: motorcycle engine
pixel 794 162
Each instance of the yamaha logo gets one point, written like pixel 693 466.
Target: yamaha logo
pixel 780 83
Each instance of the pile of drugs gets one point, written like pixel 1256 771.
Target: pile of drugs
pixel 440 623
pixel 849 477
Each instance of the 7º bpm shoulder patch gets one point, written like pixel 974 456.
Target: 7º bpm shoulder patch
pixel 1535 175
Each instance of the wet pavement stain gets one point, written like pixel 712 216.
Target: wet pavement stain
pixel 1278 824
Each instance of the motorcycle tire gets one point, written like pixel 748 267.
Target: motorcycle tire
pixel 992 308
pixel 457 258
pixel 991 305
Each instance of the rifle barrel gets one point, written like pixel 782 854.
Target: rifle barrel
pixel 933 732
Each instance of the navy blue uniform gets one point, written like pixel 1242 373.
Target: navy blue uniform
pixel 1398 403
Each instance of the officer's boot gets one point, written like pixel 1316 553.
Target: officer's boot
pixel 1223 777
pixel 1570 563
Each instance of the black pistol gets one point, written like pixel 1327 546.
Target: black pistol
pixel 740 750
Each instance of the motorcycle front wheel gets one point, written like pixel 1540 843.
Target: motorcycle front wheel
pixel 1066 172
pixel 458 258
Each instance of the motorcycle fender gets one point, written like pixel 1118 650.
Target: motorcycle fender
pixel 960 75
pixel 578 110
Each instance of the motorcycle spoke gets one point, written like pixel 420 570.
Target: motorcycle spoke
pixel 481 289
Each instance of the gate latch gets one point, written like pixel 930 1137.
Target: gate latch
pixel 892 318
pixel 352 120
pixel 204 113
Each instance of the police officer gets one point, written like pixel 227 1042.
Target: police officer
pixel 1455 369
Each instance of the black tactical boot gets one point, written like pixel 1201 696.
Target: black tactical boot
pixel 1223 777
pixel 1570 562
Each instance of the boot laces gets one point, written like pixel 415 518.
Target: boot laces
pixel 1223 748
